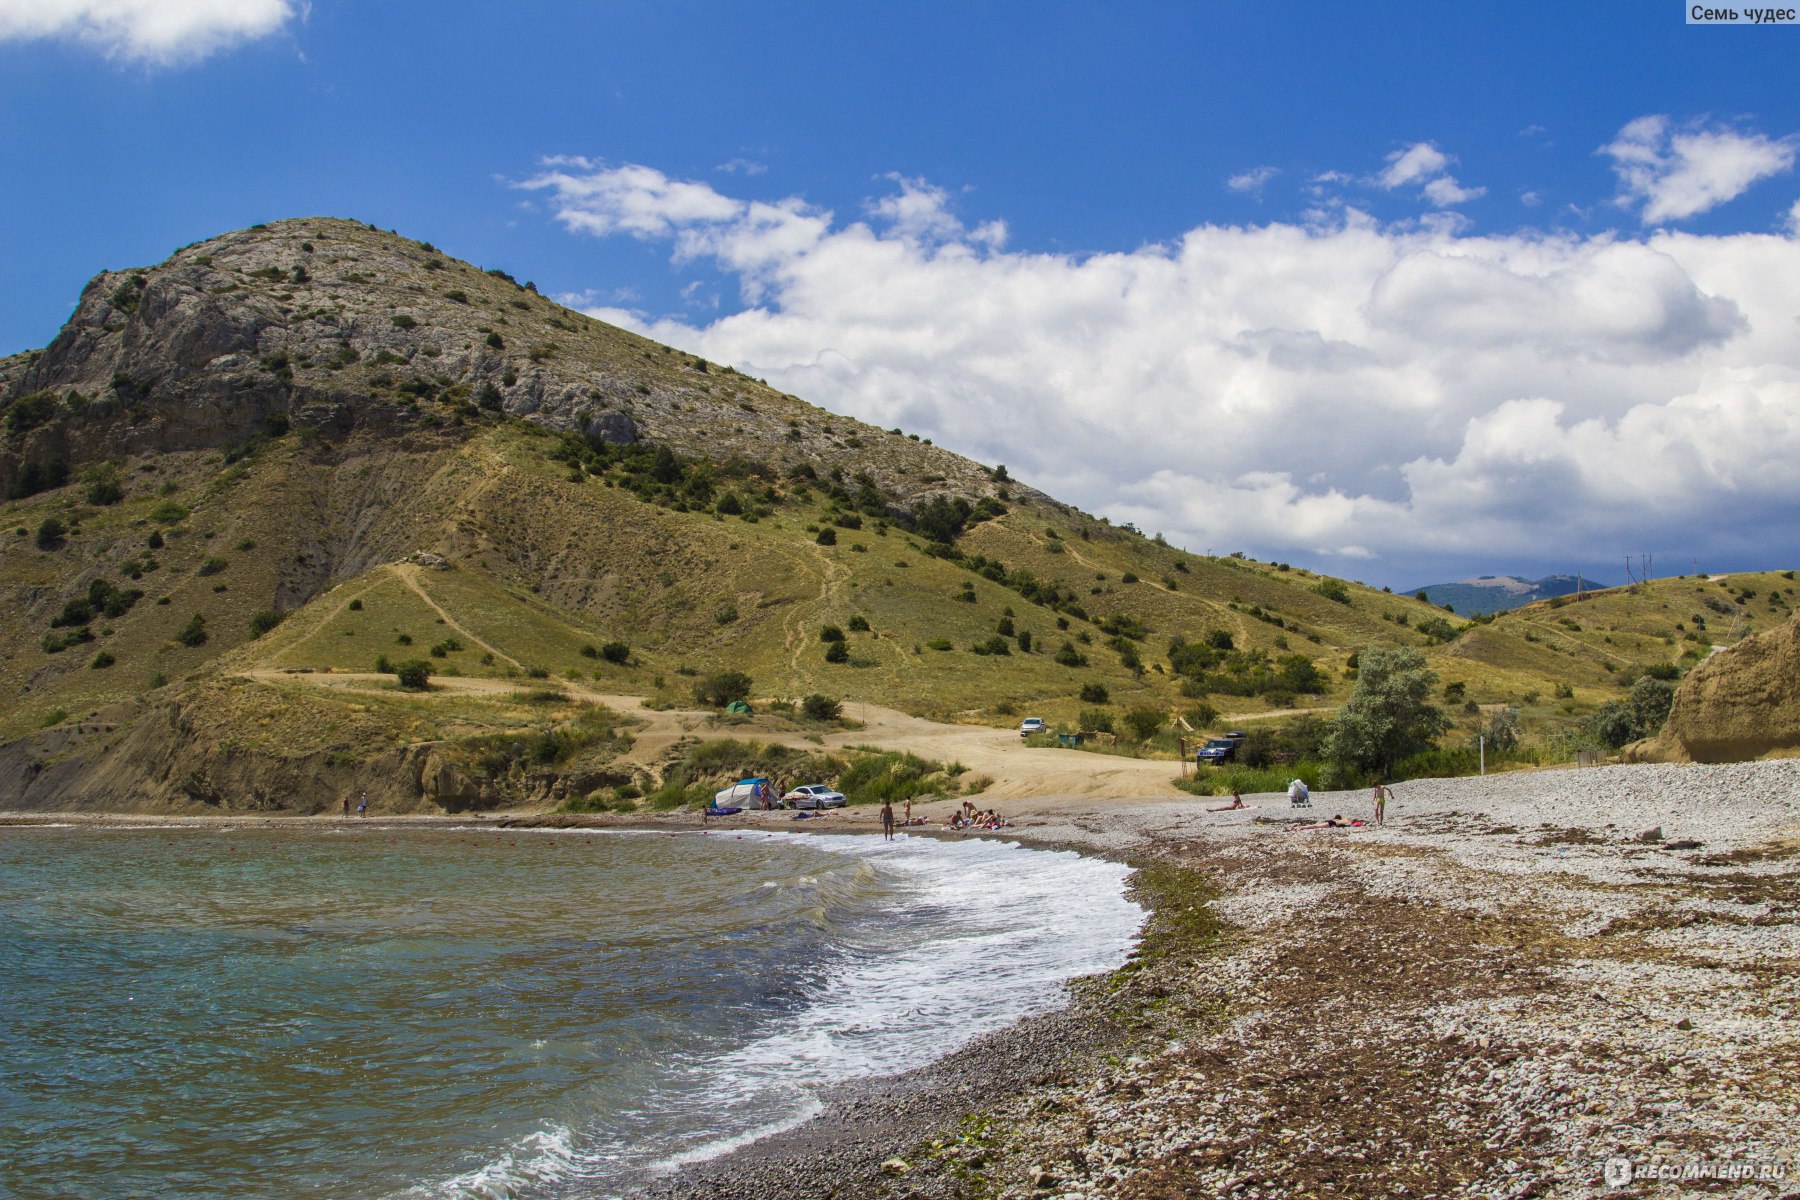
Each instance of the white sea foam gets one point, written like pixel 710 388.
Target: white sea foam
pixel 954 940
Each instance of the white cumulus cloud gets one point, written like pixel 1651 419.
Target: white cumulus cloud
pixel 1401 397
pixel 157 31
pixel 1677 172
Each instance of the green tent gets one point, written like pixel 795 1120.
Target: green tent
pixel 737 706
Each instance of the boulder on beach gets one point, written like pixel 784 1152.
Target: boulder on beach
pixel 1742 703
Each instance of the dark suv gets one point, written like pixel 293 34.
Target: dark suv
pixel 1220 749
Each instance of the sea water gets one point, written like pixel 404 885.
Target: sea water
pixel 320 1011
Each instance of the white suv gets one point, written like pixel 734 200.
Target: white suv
pixel 1031 725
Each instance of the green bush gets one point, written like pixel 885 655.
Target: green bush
pixel 50 533
pixel 1333 590
pixel 28 412
pixel 827 536
pixel 212 566
pixel 837 652
pixel 831 633
pixel 859 624
pixel 1094 693
pixel 38 475
pixel 821 708
pixel 169 513
pixel 414 674
pixel 617 653
pixel 1144 722
pixel 194 632
pixel 722 687
pixel 103 486
pixel 263 621
pixel 1096 720
pixel 102 661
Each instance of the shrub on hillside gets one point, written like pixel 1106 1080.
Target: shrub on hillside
pixel 837 652
pixel 50 533
pixel 262 622
pixel 414 674
pixel 1095 693
pixel 1144 722
pixel 194 632
pixel 617 653
pixel 821 708
pixel 721 688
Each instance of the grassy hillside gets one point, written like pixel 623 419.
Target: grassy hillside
pixel 351 486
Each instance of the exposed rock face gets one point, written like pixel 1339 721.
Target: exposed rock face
pixel 333 325
pixel 1741 703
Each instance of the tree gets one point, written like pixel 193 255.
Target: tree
pixel 1144 722
pixel 837 652
pixel 1650 701
pixel 1094 693
pixel 1502 730
pixel 722 687
pixel 1389 715
pixel 50 533
pixel 1639 715
pixel 617 653
pixel 827 536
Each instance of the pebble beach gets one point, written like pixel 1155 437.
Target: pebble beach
pixel 1573 983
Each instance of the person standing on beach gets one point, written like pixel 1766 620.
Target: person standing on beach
pixel 1382 792
pixel 909 812
pixel 362 808
pixel 346 804
pixel 887 819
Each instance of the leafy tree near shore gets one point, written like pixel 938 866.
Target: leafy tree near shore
pixel 1389 715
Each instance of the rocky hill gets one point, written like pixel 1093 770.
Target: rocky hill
pixel 243 481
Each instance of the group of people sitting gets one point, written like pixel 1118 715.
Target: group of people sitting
pixel 967 817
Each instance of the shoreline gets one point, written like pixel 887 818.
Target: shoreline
pixel 1492 996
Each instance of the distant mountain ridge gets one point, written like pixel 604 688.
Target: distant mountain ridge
pixel 1497 593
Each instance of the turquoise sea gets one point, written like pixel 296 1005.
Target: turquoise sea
pixel 201 1011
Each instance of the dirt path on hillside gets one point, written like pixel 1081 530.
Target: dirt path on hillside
pixel 408 573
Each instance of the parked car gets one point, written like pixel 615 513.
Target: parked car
pixel 1031 725
pixel 1219 750
pixel 814 795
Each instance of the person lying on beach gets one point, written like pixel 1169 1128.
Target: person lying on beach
pixel 1237 801
pixel 1339 821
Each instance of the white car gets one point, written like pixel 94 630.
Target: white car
pixel 1031 725
pixel 814 795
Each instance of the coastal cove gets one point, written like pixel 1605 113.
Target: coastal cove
pixel 433 1008
pixel 1493 995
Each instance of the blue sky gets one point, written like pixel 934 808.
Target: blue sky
pixel 1401 292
